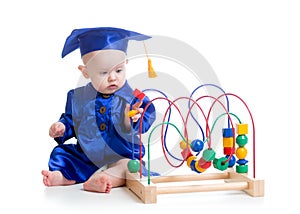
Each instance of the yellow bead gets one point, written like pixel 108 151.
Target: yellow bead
pixel 132 113
pixel 241 152
pixel 200 169
pixel 242 128
pixel 183 144
pixel 189 160
pixel 227 141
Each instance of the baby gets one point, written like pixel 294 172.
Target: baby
pixel 96 115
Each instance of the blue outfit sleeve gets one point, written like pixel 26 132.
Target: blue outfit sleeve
pixel 66 119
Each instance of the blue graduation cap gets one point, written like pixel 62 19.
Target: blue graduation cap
pixel 100 38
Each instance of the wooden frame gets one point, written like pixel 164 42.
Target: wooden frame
pixel 231 181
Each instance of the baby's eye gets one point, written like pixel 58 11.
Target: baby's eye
pixel 119 70
pixel 103 72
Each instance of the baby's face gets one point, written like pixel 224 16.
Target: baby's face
pixel 106 69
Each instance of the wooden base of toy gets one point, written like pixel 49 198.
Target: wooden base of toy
pixel 231 181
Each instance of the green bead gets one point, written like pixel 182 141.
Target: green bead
pixel 221 163
pixel 242 140
pixel 241 168
pixel 209 155
pixel 133 166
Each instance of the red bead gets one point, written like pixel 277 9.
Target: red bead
pixel 204 164
pixel 138 94
pixel 228 150
pixel 186 153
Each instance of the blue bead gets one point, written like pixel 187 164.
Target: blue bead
pixel 228 132
pixel 231 161
pixel 193 168
pixel 197 145
pixel 242 161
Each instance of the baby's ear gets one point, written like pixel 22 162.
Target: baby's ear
pixel 83 70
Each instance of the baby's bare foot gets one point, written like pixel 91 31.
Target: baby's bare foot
pixel 55 178
pixel 98 183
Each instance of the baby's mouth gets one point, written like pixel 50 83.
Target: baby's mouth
pixel 113 86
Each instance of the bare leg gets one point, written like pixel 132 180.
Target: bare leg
pixel 55 178
pixel 104 181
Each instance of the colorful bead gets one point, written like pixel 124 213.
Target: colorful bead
pixel 241 168
pixel 228 132
pixel 183 144
pixel 241 140
pixel 228 150
pixel 186 153
pixel 193 166
pixel 241 152
pixel 197 145
pixel 232 160
pixel 221 163
pixel 204 164
pixel 209 155
pixel 242 129
pixel 138 94
pixel 227 141
pixel 242 162
pixel 198 167
pixel 189 160
pixel 133 166
pixel 131 113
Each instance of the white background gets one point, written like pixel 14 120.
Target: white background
pixel 253 46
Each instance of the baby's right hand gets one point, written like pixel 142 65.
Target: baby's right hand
pixel 57 130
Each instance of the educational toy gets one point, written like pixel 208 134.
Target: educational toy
pixel 200 154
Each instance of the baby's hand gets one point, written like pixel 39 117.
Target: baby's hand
pixel 136 112
pixel 57 130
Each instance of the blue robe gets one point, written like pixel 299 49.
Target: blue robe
pixel 97 122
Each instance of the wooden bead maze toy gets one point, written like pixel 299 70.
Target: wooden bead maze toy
pixel 199 154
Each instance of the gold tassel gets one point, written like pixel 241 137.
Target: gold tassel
pixel 151 71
